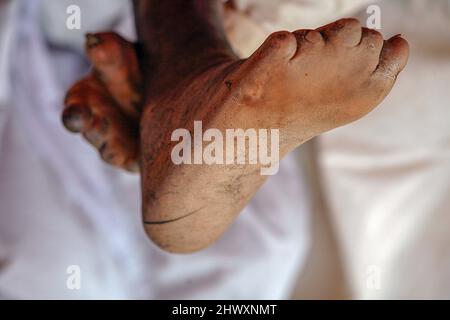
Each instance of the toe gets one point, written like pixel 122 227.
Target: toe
pixel 313 36
pixel 116 64
pixel 310 36
pixel 307 40
pixel 77 116
pixel 113 137
pixel 117 152
pixel 279 45
pixel 109 153
pixel 95 137
pixel 91 111
pixel 393 58
pixel 371 45
pixel 371 40
pixel 345 32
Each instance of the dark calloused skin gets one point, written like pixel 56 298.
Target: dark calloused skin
pixel 105 106
pixel 303 83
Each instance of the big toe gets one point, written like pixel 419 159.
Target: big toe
pixel 393 57
pixel 345 32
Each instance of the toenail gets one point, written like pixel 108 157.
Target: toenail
pixel 281 35
pixel 95 138
pixel 75 118
pixel 313 36
pixel 106 154
pixel 338 25
pixel 92 40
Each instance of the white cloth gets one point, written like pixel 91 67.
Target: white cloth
pixel 249 25
pixel 60 205
pixel 298 14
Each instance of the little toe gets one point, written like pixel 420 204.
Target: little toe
pixel 345 32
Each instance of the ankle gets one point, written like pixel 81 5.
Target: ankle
pixel 182 36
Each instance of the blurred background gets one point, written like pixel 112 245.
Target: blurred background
pixel 361 212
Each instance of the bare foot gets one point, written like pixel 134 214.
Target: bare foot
pixel 105 106
pixel 303 83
